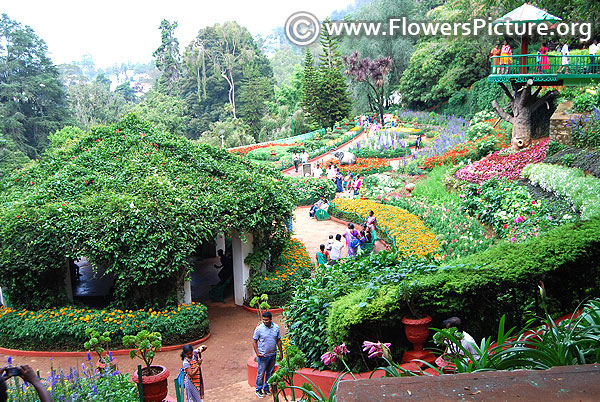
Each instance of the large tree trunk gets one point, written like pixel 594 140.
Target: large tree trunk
pixel 523 103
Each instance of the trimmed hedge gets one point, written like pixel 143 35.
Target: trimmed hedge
pixel 481 288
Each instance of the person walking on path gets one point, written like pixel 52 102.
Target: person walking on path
pixel 304 157
pixel 564 68
pixel 544 62
pixel 267 339
pixel 193 383
pixel 296 159
pixel 352 242
pixel 322 256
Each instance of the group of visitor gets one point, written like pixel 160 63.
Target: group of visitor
pixel 502 58
pixel 355 242
pixel 320 204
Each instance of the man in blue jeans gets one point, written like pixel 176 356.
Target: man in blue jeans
pixel 267 338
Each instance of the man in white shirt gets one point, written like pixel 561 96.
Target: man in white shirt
pixel 304 157
pixel 593 50
pixel 317 171
pixel 336 250
pixel 330 173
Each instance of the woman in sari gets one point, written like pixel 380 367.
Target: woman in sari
pixel 506 60
pixel 495 60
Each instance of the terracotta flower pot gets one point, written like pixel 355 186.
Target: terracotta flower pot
pixel 155 386
pixel 417 331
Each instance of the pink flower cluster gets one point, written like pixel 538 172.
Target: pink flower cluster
pixel 331 357
pixel 376 349
pixel 509 166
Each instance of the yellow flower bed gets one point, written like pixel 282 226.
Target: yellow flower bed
pixel 408 232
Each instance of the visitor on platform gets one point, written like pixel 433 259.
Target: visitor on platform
pixel 296 159
pixel 317 172
pixel 316 205
pixel 538 62
pixel 304 157
pixel 226 266
pixel 468 343
pixel 322 256
pixel 592 51
pixel 565 59
pixel 267 339
pixel 505 60
pixel 27 375
pixel 544 62
pixel 193 383
pixel 336 250
pixel 494 54
pixel 352 243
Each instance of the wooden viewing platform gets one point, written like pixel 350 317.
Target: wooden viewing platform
pixel 579 71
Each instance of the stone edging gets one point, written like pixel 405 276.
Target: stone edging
pixel 272 310
pixel 119 352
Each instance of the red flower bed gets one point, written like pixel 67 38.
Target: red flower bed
pixel 509 166
pixel 363 166
pixel 245 150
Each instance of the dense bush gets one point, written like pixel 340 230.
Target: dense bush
pixel 478 98
pixel 307 190
pixel 479 288
pixel 365 152
pixel 134 200
pixel 64 328
pixel 587 100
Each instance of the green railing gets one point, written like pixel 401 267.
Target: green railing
pixel 544 68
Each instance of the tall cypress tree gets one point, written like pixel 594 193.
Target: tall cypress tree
pixel 310 90
pixel 334 100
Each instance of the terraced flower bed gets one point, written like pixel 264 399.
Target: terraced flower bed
pixel 406 231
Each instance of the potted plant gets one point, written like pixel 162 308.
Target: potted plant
pixel 416 326
pixel 448 338
pixel 98 343
pixel 154 378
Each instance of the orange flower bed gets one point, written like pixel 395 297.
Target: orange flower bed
pixel 363 166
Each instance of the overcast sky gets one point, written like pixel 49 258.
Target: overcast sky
pixel 116 31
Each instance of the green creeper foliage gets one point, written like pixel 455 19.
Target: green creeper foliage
pixel 134 200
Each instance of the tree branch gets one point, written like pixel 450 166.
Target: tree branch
pixel 546 98
pixel 537 92
pixel 506 91
pixel 501 112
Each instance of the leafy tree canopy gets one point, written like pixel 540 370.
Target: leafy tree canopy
pixel 132 199
pixel 32 98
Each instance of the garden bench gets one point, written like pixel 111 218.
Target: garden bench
pixel 216 292
pixel 323 214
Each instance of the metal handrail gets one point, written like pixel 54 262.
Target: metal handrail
pixel 528 64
